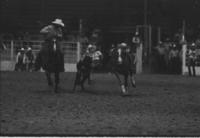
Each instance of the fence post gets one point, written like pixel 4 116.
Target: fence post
pixel 78 51
pixel 150 38
pixel 139 59
pixel 12 50
pixel 184 49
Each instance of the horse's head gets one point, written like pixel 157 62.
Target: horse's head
pixel 118 55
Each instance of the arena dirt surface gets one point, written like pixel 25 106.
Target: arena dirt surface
pixel 161 105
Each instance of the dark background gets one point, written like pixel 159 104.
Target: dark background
pixel 116 18
pixel 105 14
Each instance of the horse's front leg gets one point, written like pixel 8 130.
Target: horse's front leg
pixel 132 79
pixel 57 79
pixel 123 89
pixel 48 75
pixel 77 79
pixel 126 82
pixel 89 76
pixel 85 76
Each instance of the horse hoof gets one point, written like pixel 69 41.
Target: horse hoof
pixel 83 89
pixel 90 82
pixel 50 83
pixel 125 94
pixel 56 91
pixel 123 89
pixel 74 89
pixel 134 85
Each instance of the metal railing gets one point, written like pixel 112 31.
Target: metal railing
pixel 72 50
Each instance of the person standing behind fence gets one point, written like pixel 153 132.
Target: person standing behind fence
pixel 174 60
pixel 192 60
pixel 30 59
pixel 136 41
pixel 20 60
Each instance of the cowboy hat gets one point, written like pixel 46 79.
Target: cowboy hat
pixel 29 49
pixel 193 44
pixel 58 22
pixel 123 44
pixel 90 46
pixel 22 49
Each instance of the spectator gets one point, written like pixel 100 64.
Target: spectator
pixel 174 60
pixel 192 60
pixel 20 60
pixel 30 59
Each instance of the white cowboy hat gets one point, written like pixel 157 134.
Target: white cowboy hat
pixel 59 22
pixel 22 49
pixel 193 44
pixel 123 44
pixel 90 46
pixel 29 49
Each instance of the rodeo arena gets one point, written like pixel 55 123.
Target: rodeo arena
pixel 100 68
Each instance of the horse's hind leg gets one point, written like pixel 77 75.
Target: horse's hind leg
pixel 126 83
pixel 85 76
pixel 77 80
pixel 56 82
pixel 123 89
pixel 89 77
pixel 132 79
pixel 48 75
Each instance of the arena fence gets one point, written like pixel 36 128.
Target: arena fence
pixel 72 54
pixel 71 50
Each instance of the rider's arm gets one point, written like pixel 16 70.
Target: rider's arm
pixel 45 30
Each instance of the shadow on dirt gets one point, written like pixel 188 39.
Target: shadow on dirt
pixel 50 90
pixel 104 93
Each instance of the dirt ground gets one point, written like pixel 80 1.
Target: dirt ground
pixel 161 105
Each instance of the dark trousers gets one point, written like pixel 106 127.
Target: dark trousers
pixel 191 67
pixel 174 65
pixel 132 59
pixel 162 64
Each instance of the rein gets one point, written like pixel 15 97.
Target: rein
pixel 54 45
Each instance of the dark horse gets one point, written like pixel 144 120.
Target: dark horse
pixel 84 68
pixel 120 63
pixel 51 59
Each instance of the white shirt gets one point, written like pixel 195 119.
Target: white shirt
pixel 96 55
